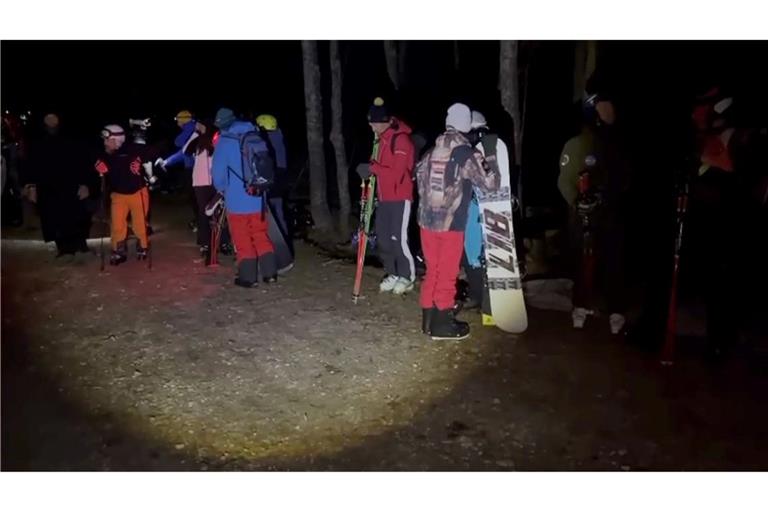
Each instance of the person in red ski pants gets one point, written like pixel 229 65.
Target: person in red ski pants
pixel 446 177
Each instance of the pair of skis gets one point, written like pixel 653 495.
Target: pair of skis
pixel 367 205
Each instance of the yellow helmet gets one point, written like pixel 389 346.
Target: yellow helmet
pixel 184 115
pixel 266 121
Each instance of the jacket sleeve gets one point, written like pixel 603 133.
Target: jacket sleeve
pixel 569 171
pixel 476 170
pixel 186 132
pixel 219 167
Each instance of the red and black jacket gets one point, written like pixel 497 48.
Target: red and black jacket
pixel 393 167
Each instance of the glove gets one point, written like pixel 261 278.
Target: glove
pixel 363 170
pixel 82 192
pixel 101 167
pixel 31 193
pixel 136 166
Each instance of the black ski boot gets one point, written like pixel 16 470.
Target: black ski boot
pixel 226 249
pixel 426 319
pixel 245 284
pixel 446 327
pixel 141 253
pixel 268 267
pixel 117 258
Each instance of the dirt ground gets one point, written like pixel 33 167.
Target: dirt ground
pixel 175 368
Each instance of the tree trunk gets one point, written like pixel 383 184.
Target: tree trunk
pixel 509 85
pixel 390 53
pixel 337 139
pixel 314 107
pixel 456 57
pixel 402 76
pixel 584 62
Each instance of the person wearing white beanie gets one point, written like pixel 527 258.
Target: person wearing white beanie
pixel 459 118
pixel 445 178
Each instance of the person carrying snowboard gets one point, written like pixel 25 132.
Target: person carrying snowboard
pixel 246 213
pixel 393 168
pixel 446 177
pixel 273 136
pixel 120 165
pixel 479 136
pixel 597 155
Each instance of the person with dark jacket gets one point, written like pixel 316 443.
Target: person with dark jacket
pixel 246 215
pixel 599 152
pixel 60 184
pixel 446 177
pixel 393 168
pixel 273 136
pixel 121 166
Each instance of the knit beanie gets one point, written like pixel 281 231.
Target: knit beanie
pixel 459 117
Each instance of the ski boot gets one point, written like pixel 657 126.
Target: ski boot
pixel 245 284
pixel 616 322
pixel 141 253
pixel 117 257
pixel 270 279
pixel 426 319
pixel 444 326
pixel 402 286
pixel 225 249
pixel 579 316
pixel 388 283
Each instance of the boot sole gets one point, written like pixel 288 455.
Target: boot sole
pixel 449 338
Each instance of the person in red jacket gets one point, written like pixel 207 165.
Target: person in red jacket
pixel 393 168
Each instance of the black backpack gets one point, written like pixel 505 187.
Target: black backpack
pixel 258 166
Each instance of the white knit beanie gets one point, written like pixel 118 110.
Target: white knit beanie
pixel 459 117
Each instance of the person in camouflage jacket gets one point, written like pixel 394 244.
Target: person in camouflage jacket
pixel 446 176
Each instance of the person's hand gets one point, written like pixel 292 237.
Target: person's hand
pixel 136 166
pixel 101 167
pixel 82 192
pixel 31 193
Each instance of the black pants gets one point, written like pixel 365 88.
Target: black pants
pixel 609 268
pixel 202 196
pixel 392 218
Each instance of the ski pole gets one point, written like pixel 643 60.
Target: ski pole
pixel 103 221
pixel 668 351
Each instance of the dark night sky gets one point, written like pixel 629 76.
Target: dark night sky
pixel 92 83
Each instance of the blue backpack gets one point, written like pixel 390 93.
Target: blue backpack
pixel 258 166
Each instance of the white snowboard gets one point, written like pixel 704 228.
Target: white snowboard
pixel 505 286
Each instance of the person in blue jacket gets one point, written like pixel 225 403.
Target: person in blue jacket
pixel 186 121
pixel 248 224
